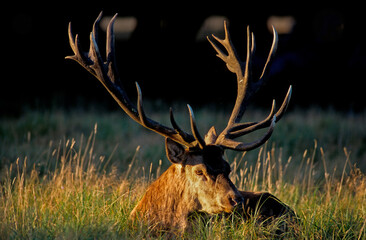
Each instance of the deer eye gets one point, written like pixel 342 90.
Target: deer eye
pixel 199 172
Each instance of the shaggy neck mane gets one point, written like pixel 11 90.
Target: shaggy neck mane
pixel 167 201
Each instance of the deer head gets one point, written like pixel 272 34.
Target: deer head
pixel 206 174
pixel 198 179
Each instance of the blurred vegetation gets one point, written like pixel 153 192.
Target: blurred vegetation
pixel 36 132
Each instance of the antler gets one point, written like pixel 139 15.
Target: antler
pixel 106 72
pixel 246 89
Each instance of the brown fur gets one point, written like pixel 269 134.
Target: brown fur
pixel 190 185
pixel 165 205
pixel 198 181
pixel 264 205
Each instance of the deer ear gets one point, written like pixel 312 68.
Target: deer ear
pixel 174 151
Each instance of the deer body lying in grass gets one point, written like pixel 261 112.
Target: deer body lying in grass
pixel 198 179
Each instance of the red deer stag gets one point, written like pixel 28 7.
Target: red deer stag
pixel 198 179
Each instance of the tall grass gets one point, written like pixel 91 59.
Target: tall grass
pixel 75 199
pixel 75 189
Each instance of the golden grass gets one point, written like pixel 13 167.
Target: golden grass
pixel 79 193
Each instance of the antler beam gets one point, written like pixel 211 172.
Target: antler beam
pixel 106 72
pixel 246 89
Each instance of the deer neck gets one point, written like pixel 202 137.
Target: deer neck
pixel 168 199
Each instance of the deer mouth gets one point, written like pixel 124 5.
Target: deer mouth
pixel 232 203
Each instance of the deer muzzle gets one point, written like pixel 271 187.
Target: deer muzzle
pixel 232 197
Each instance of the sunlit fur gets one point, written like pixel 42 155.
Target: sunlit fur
pixel 196 181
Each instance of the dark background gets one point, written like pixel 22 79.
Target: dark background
pixel 324 57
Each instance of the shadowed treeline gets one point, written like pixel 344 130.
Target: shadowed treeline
pixel 322 54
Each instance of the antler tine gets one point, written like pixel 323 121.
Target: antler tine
pixel 110 52
pixel 143 119
pixel 74 44
pixel 95 29
pixel 241 129
pixel 240 146
pixel 106 73
pixel 285 104
pixel 194 128
pixel 151 124
pixel 244 128
pixel 185 136
pixel 231 59
pixel 110 38
pixel 259 142
pixel 271 53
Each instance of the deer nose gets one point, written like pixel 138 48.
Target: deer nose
pixel 235 199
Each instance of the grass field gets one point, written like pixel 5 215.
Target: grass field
pixel 77 174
